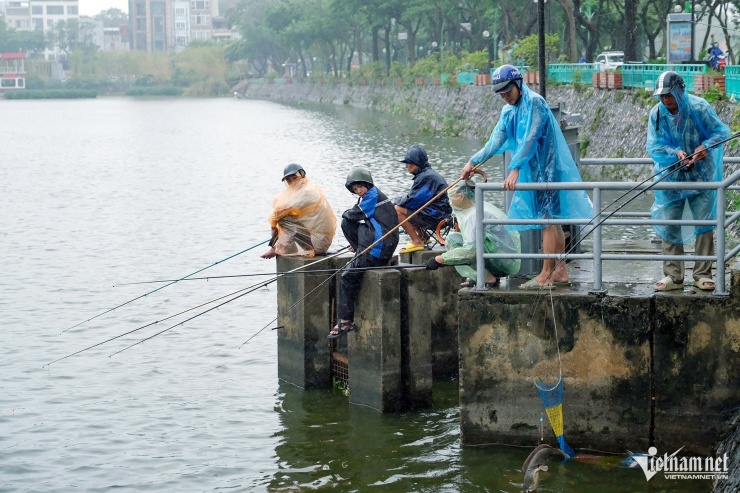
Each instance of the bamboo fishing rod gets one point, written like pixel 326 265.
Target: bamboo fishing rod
pixel 162 287
pixel 247 290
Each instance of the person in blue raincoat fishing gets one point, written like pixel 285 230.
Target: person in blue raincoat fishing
pixel 427 184
pixel 682 124
pixel 369 220
pixel 460 246
pixel 540 154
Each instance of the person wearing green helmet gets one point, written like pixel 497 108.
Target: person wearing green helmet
pixel 302 221
pixel 363 225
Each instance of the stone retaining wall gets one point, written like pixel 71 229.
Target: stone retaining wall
pixel 614 121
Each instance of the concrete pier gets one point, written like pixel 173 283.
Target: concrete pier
pixel 407 332
pixel 639 368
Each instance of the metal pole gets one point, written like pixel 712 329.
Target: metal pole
pixel 541 21
pixel 480 282
pixel 693 24
pixel 720 284
pixel 598 273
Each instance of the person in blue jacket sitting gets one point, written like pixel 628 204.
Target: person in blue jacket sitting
pixel 371 219
pixel 427 185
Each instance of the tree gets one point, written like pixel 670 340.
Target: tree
pixel 12 41
pixel 113 17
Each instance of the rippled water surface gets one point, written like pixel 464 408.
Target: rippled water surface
pixel 98 194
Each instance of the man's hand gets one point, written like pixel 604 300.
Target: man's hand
pixel 684 163
pixel 699 154
pixel 510 181
pixel 467 171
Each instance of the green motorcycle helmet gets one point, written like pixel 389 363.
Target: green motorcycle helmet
pixel 359 175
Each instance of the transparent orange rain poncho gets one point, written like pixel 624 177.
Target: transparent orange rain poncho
pixel 304 219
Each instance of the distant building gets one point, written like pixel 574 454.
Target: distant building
pixel 12 71
pixel 39 15
pixel 170 25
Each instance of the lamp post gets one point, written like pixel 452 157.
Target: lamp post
pixel 487 37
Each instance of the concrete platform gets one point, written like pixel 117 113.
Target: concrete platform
pixel 640 367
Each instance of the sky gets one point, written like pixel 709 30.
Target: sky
pixel 93 7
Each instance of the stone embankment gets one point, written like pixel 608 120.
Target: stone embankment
pixel 613 121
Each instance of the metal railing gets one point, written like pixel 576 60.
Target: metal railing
pixel 600 219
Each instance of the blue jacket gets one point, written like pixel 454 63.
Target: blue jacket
pixel 373 216
pixel 427 184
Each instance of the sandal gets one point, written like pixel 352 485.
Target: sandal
pixel 705 284
pixel 411 248
pixel 534 284
pixel 668 284
pixel 471 283
pixel 340 329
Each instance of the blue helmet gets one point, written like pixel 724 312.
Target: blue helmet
pixel 416 155
pixel 505 75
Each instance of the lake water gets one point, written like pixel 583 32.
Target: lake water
pixel 100 193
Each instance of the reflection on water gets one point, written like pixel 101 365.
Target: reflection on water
pixel 113 191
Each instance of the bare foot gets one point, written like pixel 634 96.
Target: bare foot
pixel 269 253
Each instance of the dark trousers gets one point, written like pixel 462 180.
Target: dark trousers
pixel 351 278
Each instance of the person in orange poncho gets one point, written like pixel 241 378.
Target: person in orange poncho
pixel 302 221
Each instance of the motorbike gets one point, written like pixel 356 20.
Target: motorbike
pixel 718 62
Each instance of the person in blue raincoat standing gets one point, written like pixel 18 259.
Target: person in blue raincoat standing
pixel 427 185
pixel 682 124
pixel 540 154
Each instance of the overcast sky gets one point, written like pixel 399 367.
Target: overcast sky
pixel 93 7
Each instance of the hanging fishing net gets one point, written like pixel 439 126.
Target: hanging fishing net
pixel 552 398
pixel 304 220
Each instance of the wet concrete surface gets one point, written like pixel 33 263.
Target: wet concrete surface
pixel 620 278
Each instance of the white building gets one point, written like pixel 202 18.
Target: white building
pixel 181 23
pixel 43 15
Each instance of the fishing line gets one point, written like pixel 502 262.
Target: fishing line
pixel 417 211
pixel 305 274
pixel 321 284
pixel 678 167
pixel 257 286
pixel 252 288
pixel 162 287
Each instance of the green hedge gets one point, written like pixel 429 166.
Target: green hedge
pixel 51 94
pixel 155 91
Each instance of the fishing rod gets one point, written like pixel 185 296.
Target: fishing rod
pixel 677 165
pixel 309 273
pixel 417 211
pixel 162 287
pixel 666 173
pixel 257 286
pixel 297 303
pixel 251 288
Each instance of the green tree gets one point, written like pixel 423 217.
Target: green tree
pixel 528 49
pixel 29 42
pixel 113 17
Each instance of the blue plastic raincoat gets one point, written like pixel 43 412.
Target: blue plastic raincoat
pixel 696 123
pixel 529 130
